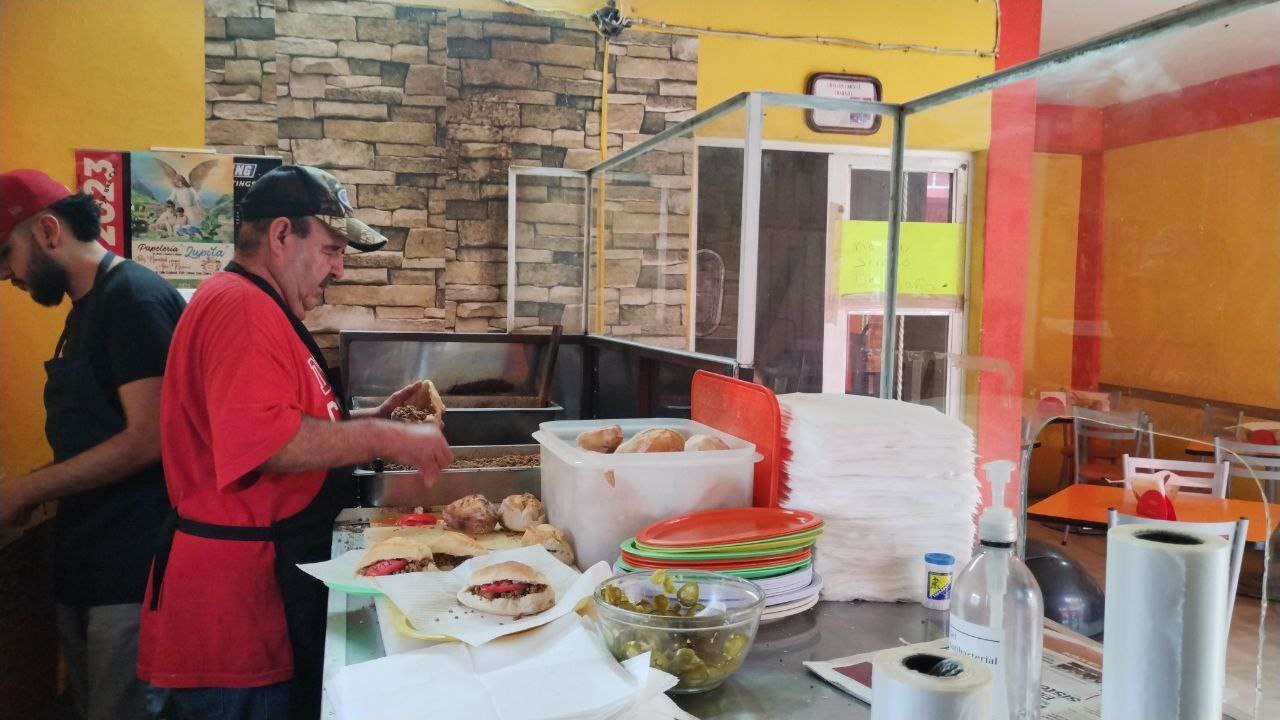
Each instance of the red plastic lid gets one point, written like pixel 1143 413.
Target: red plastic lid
pixel 725 526
pixel 749 412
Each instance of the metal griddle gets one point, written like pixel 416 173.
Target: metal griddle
pixel 402 488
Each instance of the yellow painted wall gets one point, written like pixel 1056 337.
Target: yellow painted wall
pixel 82 73
pixel 728 65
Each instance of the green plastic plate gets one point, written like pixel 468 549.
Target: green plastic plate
pixel 630 545
pixel 745 574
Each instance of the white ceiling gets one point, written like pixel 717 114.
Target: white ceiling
pixel 1180 58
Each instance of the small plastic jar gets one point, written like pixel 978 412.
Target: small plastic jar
pixel 939 569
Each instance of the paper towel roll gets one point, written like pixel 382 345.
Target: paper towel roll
pixel 1164 652
pixel 908 684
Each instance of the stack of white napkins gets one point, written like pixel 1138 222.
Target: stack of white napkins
pixel 559 671
pixel 892 480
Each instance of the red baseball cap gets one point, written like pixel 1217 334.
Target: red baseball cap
pixel 23 193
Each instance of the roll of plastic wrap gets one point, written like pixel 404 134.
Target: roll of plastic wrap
pixel 908 684
pixel 1164 652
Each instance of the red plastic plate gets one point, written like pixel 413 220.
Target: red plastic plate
pixel 725 526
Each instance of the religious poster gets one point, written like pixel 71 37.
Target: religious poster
pixel 181 214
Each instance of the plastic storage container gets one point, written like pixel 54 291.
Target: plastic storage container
pixel 600 500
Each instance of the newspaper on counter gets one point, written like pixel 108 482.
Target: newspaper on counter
pixel 1070 678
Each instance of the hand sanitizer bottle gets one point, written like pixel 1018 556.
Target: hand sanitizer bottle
pixel 997 612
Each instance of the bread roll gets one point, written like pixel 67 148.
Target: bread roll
pixel 451 549
pixel 375 535
pixel 413 550
pixel 427 399
pixel 604 440
pixel 705 442
pixel 654 440
pixel 521 512
pixel 508 588
pixel 471 514
pixel 553 539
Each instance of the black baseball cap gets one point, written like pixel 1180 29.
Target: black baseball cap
pixel 301 190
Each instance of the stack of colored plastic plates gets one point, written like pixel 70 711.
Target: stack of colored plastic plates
pixel 771 546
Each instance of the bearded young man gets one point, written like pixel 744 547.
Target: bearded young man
pixel 102 406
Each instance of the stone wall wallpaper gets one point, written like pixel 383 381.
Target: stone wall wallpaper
pixel 421 111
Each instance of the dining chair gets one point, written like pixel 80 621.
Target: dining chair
pixel 1250 460
pixel 1200 476
pixel 1235 532
pixel 1222 421
pixel 1100 439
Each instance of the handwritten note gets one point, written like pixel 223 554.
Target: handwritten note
pixel 930 262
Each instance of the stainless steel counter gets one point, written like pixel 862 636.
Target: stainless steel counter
pixel 771 684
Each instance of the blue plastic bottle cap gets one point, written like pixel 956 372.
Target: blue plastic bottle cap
pixel 939 559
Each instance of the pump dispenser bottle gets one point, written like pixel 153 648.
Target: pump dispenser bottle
pixel 997 610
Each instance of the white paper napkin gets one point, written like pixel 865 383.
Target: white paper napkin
pixel 651 703
pixel 430 600
pixel 556 672
pixel 340 573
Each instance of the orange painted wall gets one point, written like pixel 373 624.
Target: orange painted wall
pixel 1047 328
pixel 1192 253
pixel 1190 304
pixel 82 73
pixel 1050 272
pixel 1191 261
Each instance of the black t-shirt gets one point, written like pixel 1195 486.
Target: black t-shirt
pixel 105 538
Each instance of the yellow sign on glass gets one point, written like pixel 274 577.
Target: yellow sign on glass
pixel 930 261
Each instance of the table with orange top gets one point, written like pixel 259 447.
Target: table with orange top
pixel 1087 505
pixel 1201 448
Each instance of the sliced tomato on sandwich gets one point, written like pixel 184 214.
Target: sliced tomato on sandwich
pixel 503 586
pixel 411 519
pixel 385 567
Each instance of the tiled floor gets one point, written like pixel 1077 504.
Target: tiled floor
pixel 1242 644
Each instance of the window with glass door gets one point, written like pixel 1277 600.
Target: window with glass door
pixel 931 279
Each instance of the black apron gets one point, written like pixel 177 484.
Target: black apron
pixel 94 563
pixel 304 537
pixel 78 416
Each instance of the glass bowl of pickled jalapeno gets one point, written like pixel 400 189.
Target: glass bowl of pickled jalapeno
pixel 696 625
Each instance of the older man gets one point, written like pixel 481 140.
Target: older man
pixel 102 406
pixel 258 450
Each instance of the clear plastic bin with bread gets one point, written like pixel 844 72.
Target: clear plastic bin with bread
pixel 600 499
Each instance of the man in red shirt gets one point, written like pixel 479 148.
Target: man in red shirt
pixel 258 450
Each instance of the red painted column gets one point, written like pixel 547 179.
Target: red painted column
pixel 1007 222
pixel 1086 345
